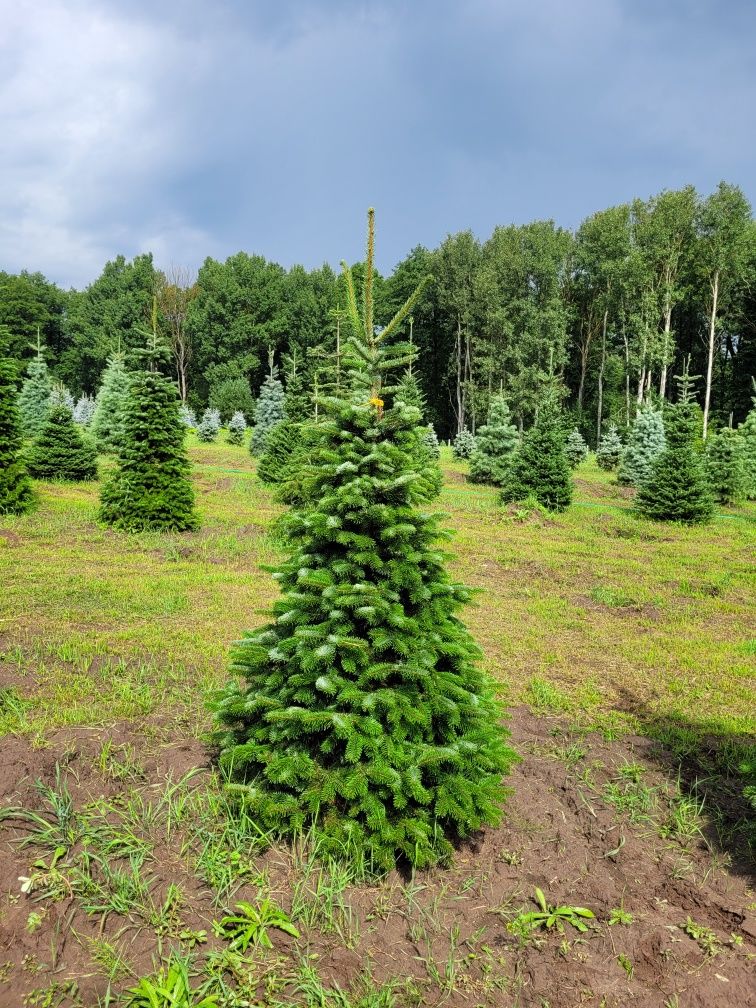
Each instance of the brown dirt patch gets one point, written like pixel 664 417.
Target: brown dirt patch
pixel 559 834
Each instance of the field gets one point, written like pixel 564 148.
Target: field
pixel 623 648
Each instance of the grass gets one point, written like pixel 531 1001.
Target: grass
pixel 594 611
pixel 595 616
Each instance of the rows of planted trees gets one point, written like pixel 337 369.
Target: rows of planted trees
pixel 610 312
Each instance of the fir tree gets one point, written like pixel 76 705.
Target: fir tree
pixel 152 488
pixel 268 412
pixel 298 404
pixel 610 449
pixel 409 391
pixel 16 495
pixel 724 463
pixel 279 460
pixel 495 445
pixel 540 469
pixel 575 448
pixel 464 444
pixel 109 414
pixel 677 488
pixel 84 410
pixel 645 442
pixel 208 427
pixel 236 427
pixel 747 433
pixel 34 400
pixel 61 451
pixel 363 711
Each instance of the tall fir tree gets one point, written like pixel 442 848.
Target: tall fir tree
pixel 34 399
pixel 725 466
pixel 363 711
pixel 280 458
pixel 540 469
pixel 495 445
pixel 575 448
pixel 61 451
pixel 747 434
pixel 111 406
pixel 645 442
pixel 152 487
pixel 269 410
pixel 610 449
pixel 677 488
pixel 16 494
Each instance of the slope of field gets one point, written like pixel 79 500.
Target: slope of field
pixel 625 649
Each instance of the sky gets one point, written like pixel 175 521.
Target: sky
pixel 193 129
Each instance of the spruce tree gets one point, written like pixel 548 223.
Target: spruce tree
pixel 724 464
pixel 208 427
pixel 34 399
pixel 363 711
pixel 236 427
pixel 645 442
pixel 575 448
pixel 464 444
pixel 188 416
pixel 409 391
pixel 61 451
pixel 16 495
pixel 610 449
pixel 677 488
pixel 540 469
pixel 152 487
pixel 84 410
pixel 109 414
pixel 269 411
pixel 495 445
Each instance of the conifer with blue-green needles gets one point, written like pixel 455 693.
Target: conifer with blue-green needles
pixel 360 709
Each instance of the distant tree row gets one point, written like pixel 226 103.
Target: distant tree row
pixel 612 310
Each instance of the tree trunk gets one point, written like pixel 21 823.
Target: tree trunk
pixel 665 350
pixel 710 358
pixel 460 408
pixel 601 379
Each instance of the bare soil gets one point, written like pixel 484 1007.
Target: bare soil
pixel 559 834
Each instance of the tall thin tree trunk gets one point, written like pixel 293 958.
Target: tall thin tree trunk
pixel 601 378
pixel 665 350
pixel 710 358
pixel 459 390
pixel 627 374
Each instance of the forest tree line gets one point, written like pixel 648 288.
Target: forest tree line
pixel 610 311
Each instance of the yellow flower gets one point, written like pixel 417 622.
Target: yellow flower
pixel 378 403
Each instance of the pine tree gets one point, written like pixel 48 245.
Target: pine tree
pixel 236 427
pixel 645 442
pixel 409 391
pixel 495 445
pixel 268 412
pixel 610 449
pixel 34 399
pixel 110 405
pixel 464 444
pixel 61 451
pixel 363 711
pixel 747 433
pixel 152 488
pixel 208 427
pixel 16 495
pixel 677 488
pixel 540 469
pixel 84 410
pixel 298 401
pixel 724 464
pixel 575 448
